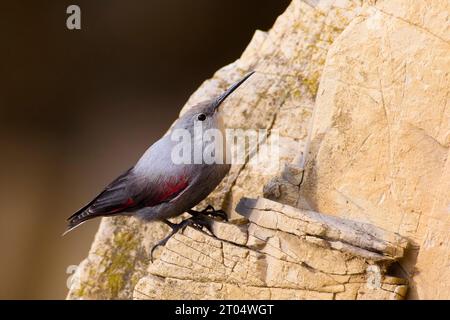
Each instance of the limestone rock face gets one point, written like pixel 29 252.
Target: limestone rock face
pixel 381 137
pixel 372 80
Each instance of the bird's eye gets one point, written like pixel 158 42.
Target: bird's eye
pixel 201 117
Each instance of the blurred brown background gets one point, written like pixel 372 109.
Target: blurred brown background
pixel 79 107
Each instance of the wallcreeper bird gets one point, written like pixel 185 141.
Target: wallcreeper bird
pixel 157 188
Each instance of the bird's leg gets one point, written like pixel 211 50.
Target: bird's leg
pixel 197 221
pixel 170 224
pixel 210 211
pixel 175 228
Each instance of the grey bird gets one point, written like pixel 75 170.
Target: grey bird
pixel 156 188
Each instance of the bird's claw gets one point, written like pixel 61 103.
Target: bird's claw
pixel 210 211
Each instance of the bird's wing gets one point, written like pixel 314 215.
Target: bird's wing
pixel 163 189
pixel 130 192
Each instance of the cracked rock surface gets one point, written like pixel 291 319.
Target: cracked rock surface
pixel 283 253
pixel 373 79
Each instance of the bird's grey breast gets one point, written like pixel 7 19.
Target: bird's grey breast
pixel 156 169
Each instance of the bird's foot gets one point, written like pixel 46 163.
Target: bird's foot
pixel 210 211
pixel 198 221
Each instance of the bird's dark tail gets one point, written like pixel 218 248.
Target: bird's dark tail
pixel 72 225
pixel 79 217
pixel 111 201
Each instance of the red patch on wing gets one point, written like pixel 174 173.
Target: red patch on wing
pixel 127 204
pixel 171 188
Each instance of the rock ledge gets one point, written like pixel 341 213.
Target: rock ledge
pixel 282 253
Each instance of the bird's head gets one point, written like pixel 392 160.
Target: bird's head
pixel 207 113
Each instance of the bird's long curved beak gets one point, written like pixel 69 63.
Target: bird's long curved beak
pixel 230 90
